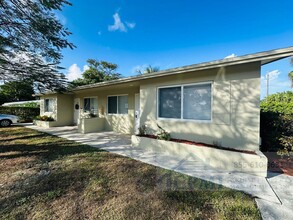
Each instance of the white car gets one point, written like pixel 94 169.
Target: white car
pixel 7 120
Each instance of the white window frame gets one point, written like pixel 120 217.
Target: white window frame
pixel 182 99
pixel 117 104
pixel 50 99
pixel 90 97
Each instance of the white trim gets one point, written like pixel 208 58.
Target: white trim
pixel 182 97
pixel 76 115
pixel 136 116
pixel 117 104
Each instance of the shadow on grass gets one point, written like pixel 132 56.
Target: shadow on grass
pixel 53 173
pixel 45 151
pixel 45 146
pixel 21 137
pixel 45 188
pixel 78 177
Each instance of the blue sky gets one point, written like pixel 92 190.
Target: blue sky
pixel 135 33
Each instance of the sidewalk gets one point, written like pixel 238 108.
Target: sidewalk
pixel 274 195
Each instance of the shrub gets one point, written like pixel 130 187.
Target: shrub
pixel 44 118
pixel 276 123
pixel 163 134
pixel 287 142
pixel 24 113
pixel 281 103
pixel 142 130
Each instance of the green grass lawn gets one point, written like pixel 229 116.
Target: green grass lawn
pixel 46 177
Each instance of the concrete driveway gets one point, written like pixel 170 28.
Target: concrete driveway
pixel 274 194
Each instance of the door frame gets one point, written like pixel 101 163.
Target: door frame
pixel 136 112
pixel 76 116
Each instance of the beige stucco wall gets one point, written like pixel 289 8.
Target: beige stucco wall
pixel 235 107
pixel 88 125
pixel 113 122
pixel 62 109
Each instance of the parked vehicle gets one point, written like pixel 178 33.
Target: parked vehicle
pixel 7 120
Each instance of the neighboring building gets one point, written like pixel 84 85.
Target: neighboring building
pixel 215 102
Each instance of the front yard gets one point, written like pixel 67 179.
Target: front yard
pixel 46 177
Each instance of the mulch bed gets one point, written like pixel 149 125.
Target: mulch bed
pixel 279 164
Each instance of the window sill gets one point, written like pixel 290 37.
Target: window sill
pixel 185 120
pixel 117 114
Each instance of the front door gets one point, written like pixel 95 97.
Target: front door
pixel 137 113
pixel 76 106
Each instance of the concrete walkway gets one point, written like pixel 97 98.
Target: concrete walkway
pixel 274 195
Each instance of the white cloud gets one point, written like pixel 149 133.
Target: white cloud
pixel 85 67
pixel 131 25
pixel 119 25
pixel 74 72
pixel 230 56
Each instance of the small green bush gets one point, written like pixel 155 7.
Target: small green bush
pixel 163 134
pixel 142 130
pixel 44 118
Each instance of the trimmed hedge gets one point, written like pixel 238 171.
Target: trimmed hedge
pixel 276 131
pixel 276 123
pixel 24 113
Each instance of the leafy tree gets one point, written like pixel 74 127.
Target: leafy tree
pixel 16 91
pixel 149 69
pixel 98 71
pixel 31 39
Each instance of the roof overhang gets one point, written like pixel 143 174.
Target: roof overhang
pixel 52 93
pixel 262 57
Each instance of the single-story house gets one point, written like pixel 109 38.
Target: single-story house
pixel 216 102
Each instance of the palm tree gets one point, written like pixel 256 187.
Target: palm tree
pixel 149 69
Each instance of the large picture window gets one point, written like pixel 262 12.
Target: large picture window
pixel 49 105
pixel 90 105
pixel 118 104
pixel 193 102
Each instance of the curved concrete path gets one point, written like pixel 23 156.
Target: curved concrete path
pixel 274 195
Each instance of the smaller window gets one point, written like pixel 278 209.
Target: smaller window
pixel 49 105
pixel 90 105
pixel 118 104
